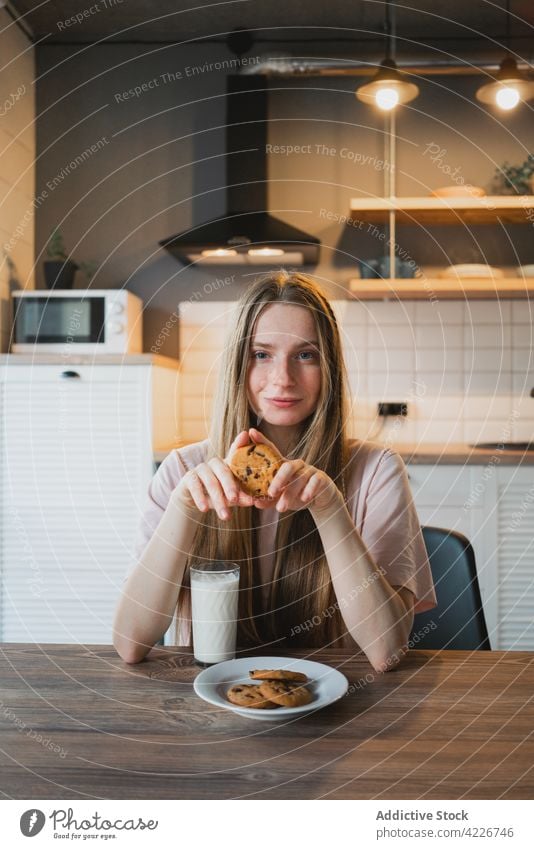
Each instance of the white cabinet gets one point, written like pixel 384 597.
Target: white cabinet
pixel 494 507
pixel 515 529
pixel 464 499
pixel 77 446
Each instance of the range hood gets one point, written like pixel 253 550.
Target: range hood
pixel 246 234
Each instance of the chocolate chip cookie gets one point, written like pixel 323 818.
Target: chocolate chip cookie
pixel 278 675
pixel 249 696
pixel 285 694
pixel 255 466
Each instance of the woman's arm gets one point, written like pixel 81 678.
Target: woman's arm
pixel 149 597
pixel 150 594
pixel 377 616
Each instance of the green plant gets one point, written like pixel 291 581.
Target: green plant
pixel 515 179
pixel 56 250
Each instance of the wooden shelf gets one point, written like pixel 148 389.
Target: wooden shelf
pixel 430 288
pixel 486 210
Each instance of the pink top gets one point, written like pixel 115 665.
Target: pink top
pixel 379 500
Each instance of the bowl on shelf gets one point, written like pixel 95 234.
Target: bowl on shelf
pixel 458 192
pixel 471 269
pixel 379 268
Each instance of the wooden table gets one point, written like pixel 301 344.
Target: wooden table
pixel 77 722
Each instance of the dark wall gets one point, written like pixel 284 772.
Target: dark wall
pixel 157 167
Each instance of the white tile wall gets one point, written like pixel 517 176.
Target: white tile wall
pixel 465 369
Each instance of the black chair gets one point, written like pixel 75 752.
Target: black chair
pixel 458 620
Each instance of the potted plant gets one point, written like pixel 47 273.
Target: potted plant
pixel 516 179
pixel 59 270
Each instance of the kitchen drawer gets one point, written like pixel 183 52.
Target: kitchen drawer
pixel 89 373
pixel 434 485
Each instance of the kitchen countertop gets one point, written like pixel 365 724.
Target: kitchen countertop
pixel 437 453
pixel 90 360
pixel 461 453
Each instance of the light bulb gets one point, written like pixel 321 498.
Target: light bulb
pixel 265 252
pixel 507 97
pixel 387 98
pixel 209 252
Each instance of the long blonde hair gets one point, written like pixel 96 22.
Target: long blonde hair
pixel 301 590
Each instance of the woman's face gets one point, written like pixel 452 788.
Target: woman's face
pixel 284 373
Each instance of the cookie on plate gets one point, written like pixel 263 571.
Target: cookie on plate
pixel 285 694
pixel 255 466
pixel 248 696
pixel 278 675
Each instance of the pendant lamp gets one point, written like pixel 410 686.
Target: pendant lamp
pixel 388 88
pixel 509 86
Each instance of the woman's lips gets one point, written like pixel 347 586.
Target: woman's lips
pixel 283 402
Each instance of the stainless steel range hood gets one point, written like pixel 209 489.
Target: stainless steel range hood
pixel 247 234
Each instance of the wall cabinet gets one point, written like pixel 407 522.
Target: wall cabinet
pixel 494 507
pixel 77 445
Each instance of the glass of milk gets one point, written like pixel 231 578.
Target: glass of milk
pixel 214 597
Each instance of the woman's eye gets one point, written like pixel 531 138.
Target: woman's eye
pixel 308 355
pixel 259 355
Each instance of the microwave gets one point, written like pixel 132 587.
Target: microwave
pixel 76 321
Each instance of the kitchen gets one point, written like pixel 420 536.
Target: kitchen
pixel 121 129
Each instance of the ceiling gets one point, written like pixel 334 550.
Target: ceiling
pixel 462 28
pixel 167 20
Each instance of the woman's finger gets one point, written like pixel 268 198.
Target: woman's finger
pixel 214 489
pixel 257 436
pixel 240 440
pixel 290 498
pixel 233 492
pixel 311 489
pixel 226 478
pixel 263 503
pixel 287 471
pixel 197 491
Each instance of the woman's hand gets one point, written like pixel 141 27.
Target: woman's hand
pixel 297 485
pixel 212 486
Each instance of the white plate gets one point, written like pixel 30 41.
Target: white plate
pixel 471 270
pixel 326 684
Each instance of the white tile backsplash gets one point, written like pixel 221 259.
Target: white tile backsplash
pixel 487 336
pixel 439 312
pixel 522 312
pixel 440 359
pixel 522 360
pixel 487 312
pixel 444 337
pixel 522 336
pixel 494 360
pixel 464 368
pixel 391 312
pixel 391 336
pixel 391 359
pixel 487 382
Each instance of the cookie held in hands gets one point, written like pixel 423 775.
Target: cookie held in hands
pixel 255 466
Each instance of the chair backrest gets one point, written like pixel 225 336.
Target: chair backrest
pixel 458 620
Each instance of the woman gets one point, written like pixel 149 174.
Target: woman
pixel 334 555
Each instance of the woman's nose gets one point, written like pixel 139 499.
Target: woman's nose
pixel 282 372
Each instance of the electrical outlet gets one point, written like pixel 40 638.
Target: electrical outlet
pixel 392 408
